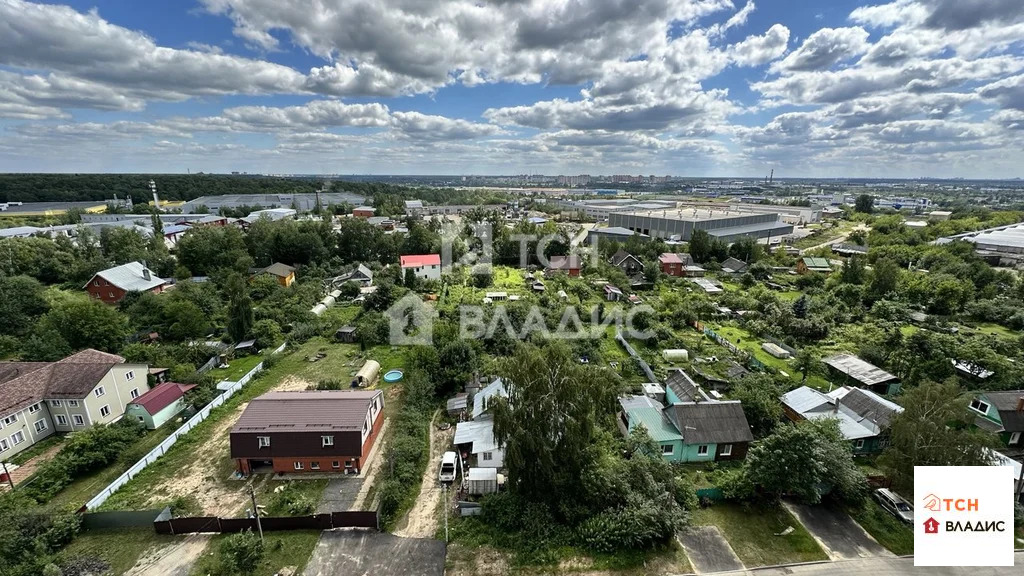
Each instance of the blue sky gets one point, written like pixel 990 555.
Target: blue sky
pixel 905 88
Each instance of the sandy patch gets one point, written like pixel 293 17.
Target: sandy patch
pixel 204 478
pixel 423 518
pixel 373 463
pixel 171 560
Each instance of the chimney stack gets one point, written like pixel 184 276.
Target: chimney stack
pixel 1020 404
pixel 146 274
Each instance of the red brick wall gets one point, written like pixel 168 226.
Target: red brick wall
pixel 104 292
pixel 672 269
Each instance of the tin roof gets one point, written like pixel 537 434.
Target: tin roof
pixel 129 277
pixel 420 260
pixel 860 370
pixel 162 396
pixel 307 411
pixel 710 422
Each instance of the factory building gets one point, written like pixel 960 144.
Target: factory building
pixel 679 224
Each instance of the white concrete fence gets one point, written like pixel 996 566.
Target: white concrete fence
pixel 164 446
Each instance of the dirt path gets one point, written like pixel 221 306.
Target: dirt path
pixel 373 465
pixel 422 520
pixel 205 478
pixel 172 560
pixel 839 240
pixel 22 473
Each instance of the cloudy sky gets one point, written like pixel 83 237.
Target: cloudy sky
pixel 686 87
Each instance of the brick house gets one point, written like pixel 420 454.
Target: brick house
pixel 111 285
pixel 308 431
pixel 568 264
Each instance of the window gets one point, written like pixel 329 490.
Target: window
pixel 263 441
pixel 40 425
pixel 10 419
pixel 667 449
pixel 1014 438
pixel 327 440
pixel 73 403
pixel 727 450
pixel 4 446
pixel 110 294
pixel 487 456
pixel 18 437
pixel 979 405
pixel 99 391
pixel 78 419
pixel 314 465
pixel 135 393
pixel 105 411
pixel 297 466
pixel 130 375
pixel 336 464
pixel 55 402
pixel 702 450
pixel 95 282
pixel 62 420
pixel 33 408
pixel 859 444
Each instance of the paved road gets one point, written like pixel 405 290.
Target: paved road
pixel 708 550
pixel 837 533
pixel 340 494
pixel 362 552
pixel 880 567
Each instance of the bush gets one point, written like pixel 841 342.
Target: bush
pixel 242 553
pixel 83 566
pixel 637 525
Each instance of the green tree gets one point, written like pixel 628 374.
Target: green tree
pixel 934 429
pixel 267 333
pixel 242 553
pixel 805 362
pixel 187 320
pixel 240 314
pixel 759 395
pixel 853 270
pixel 805 460
pixel 800 306
pixel 349 290
pixel 548 424
pixel 21 303
pixel 865 204
pixel 700 246
pixel 746 249
pixel 84 323
pixel 884 279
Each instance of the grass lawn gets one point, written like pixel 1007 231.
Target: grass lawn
pixel 751 529
pixel 237 368
pixel 884 527
pixel 37 449
pixel 121 547
pixel 285 548
pixel 997 330
pixel 200 447
pixel 311 489
pixel 752 345
pixel 84 488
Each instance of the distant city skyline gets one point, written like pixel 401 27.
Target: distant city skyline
pixel 905 89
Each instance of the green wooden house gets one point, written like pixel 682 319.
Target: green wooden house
pixel 1001 413
pixel 158 405
pixel 689 432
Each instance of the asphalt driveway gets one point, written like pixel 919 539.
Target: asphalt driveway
pixel 340 494
pixel 708 550
pixel 838 534
pixel 360 552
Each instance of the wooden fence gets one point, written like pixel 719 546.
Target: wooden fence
pixel 355 519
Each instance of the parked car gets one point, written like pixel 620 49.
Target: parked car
pixel 447 474
pixel 895 505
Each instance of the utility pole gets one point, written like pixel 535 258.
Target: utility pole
pixel 11 482
pixel 445 512
pixel 256 511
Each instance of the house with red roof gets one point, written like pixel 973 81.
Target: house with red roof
pixel 38 399
pixel 160 404
pixel 424 266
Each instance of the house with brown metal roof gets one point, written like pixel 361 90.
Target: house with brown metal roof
pixel 307 431
pixel 38 399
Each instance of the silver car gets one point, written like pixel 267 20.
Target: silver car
pixel 895 505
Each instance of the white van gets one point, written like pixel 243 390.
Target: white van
pixel 448 463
